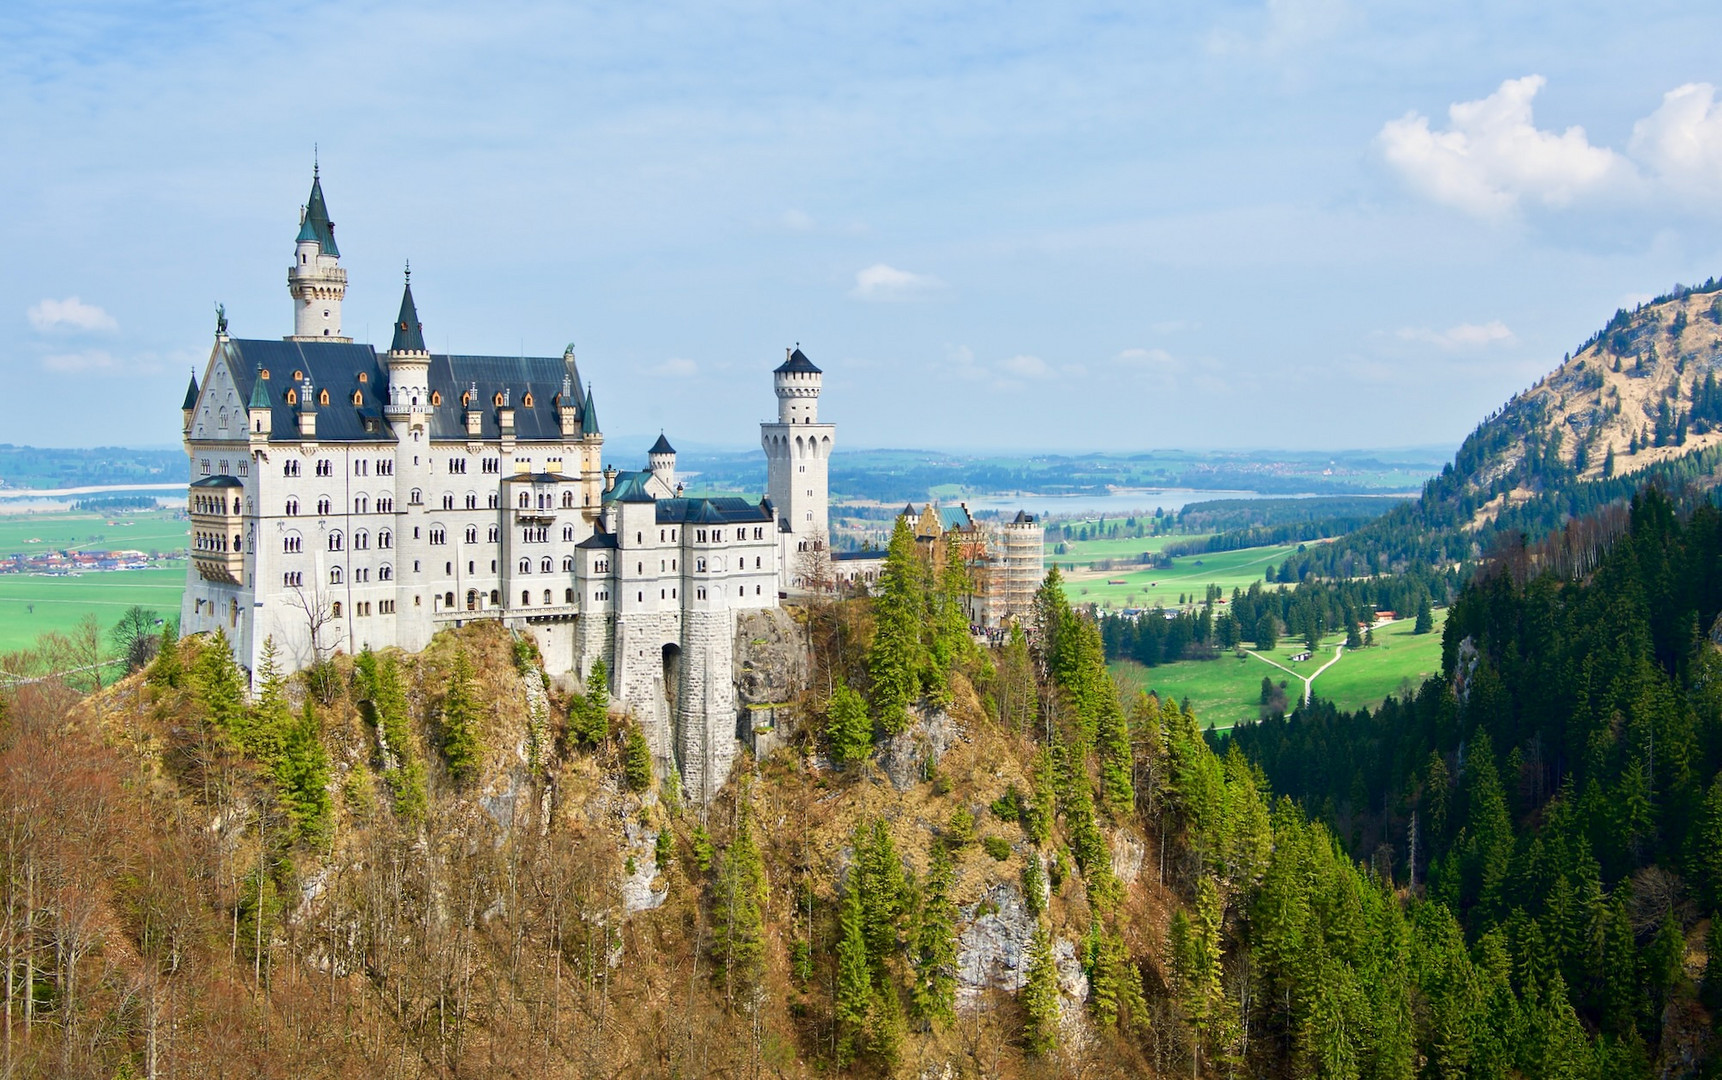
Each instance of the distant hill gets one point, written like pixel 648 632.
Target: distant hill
pixel 56 467
pixel 1637 403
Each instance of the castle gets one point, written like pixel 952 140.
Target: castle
pixel 343 497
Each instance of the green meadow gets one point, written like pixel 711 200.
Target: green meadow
pixel 31 605
pixel 1148 586
pixel 1228 690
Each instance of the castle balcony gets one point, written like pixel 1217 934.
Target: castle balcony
pixel 217 539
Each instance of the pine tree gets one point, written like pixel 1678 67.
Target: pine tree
pixel 1038 814
pixel 166 669
pixel 302 776
pixel 589 714
pixel 1117 789
pixel 895 659
pixel 380 683
pixel 637 760
pixel 849 729
pixel 738 909
pixel 934 993
pixel 218 686
pixel 1040 996
pixel 1425 617
pixel 854 977
pixel 884 892
pixel 1267 634
pixel 458 729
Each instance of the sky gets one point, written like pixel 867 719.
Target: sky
pixel 1305 224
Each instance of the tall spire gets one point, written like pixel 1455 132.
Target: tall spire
pixel 409 332
pixel 316 225
pixel 589 414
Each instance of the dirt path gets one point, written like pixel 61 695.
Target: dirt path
pixel 1308 680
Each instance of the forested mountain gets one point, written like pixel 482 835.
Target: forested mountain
pixel 1559 789
pixel 1637 402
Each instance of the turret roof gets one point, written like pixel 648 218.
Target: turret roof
pixel 589 415
pixel 259 392
pixel 191 393
pixel 797 362
pixel 662 446
pixel 409 332
pixel 317 225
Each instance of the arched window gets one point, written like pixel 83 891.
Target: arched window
pixel 292 396
pixel 323 396
pixel 493 534
pixel 495 596
pixel 385 572
pixel 361 505
pixel 448 599
pixel 567 500
pixel 494 501
pixel 471 501
pixel 385 539
pixel 472 534
pixel 545 566
pixel 525 500
pixel 323 507
pixel 525 598
pixel 436 399
pixel 472 599
pixel 568 532
pixel 335 609
pixel 361 540
pixel 290 543
pixel 323 466
pixel 526 566
pixel 567 564
pixel 547 600
pixel 416 498
pixel 292 506
pixel 448 502
pixel 334 575
pixel 335 541
pixel 526 400
pixel 438 535
pixel 385 504
pixel 358 398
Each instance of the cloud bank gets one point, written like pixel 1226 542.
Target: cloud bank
pixel 882 282
pixel 69 314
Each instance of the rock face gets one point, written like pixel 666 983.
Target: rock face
pixel 906 757
pixel 770 671
pixel 992 951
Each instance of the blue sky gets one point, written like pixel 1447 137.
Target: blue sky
pixel 1305 224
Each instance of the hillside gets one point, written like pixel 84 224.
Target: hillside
pixel 1637 403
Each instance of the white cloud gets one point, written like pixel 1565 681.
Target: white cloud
pixel 88 360
pixel 1492 156
pixel 796 220
pixel 881 282
pixel 1027 367
pixel 69 314
pixel 1147 359
pixel 1682 140
pixel 678 367
pixel 1462 336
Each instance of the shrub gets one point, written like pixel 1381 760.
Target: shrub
pixel 997 846
pixel 960 833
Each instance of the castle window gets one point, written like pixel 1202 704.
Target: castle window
pixel 756 590
pixel 292 579
pixel 701 594
pixel 526 400
pixel 438 535
pixel 416 498
pixel 292 506
pixel 701 536
pixel 364 376
pixel 204 466
pixel 335 541
pixel 385 572
pixel 334 575
pixel 436 399
pixel 525 501
pixel 567 596
pixel 497 400
pixel 385 504
pixel 298 376
pixel 290 468
pixel 493 534
pixel 335 608
pixel 567 500
pixel 567 564
pixel 495 501
pixel 699 566
pixel 526 566
pixel 472 534
pixel 324 468
pixel 323 395
pixel 358 398
pixel 567 532
pixel 640 597
pixel 323 507
pixel 292 396
pixel 525 598
pixel 547 600
pixel 385 467
pixel 545 566
pixel 361 504
pixel 385 539
pixel 448 502
pixel 361 540
pixel 756 562
pixel 291 543
pixel 360 466
pixel 471 501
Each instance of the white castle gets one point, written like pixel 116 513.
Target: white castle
pixel 343 498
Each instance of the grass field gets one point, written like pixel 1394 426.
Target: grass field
pixel 1146 587
pixel 31 605
pixel 34 534
pixel 1227 690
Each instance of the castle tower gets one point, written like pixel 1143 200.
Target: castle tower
pixel 408 410
pixel 797 455
pixel 661 461
pixel 316 280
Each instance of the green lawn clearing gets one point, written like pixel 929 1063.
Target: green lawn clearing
pixel 1189 575
pixel 31 606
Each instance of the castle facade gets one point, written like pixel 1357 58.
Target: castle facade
pixel 344 497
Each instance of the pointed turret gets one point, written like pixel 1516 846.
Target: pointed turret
pixel 316 280
pixel 258 411
pixel 409 332
pixel 259 391
pixel 661 461
pixel 589 415
pixel 190 405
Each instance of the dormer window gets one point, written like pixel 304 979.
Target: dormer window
pixel 298 376
pixel 465 399
pixel 292 397
pixel 322 397
pixel 364 376
pixel 358 398
pixel 263 374
pixel 436 398
pixel 497 401
pixel 526 400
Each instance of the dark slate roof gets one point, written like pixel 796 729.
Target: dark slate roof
pixel 317 225
pixel 538 478
pixel 662 446
pixel 332 366
pixel 409 332
pixel 541 376
pixel 598 539
pixel 850 556
pixel 217 482
pixel 724 510
pixel 955 517
pixel 630 488
pixel 798 362
pixel 191 393
pixel 1023 517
